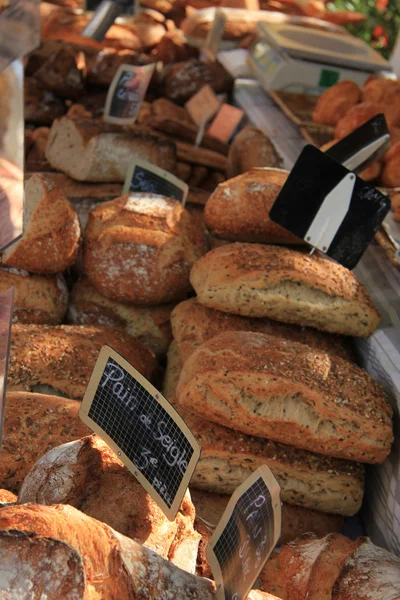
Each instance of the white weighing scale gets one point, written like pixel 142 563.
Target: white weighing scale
pixel 300 59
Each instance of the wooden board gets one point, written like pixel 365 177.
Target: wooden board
pixel 315 135
pixel 298 107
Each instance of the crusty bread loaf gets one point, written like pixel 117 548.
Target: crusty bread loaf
pixel 332 568
pixel 193 324
pixel 228 458
pixel 140 249
pixel 41 106
pixel 239 208
pixel 66 554
pixel 290 393
pixel 33 424
pixel 95 151
pixel 51 231
pixel 256 280
pixel 251 148
pixel 7 497
pixel 334 103
pixel 64 72
pixel 60 360
pixel 102 69
pixel 86 472
pixel 37 299
pixel 181 81
pixel 150 324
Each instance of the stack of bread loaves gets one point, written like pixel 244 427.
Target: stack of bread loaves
pixel 260 368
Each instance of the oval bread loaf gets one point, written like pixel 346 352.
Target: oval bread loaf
pixel 256 280
pixel 140 249
pixel 250 149
pixel 290 393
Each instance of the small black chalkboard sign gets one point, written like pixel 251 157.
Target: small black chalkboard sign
pixel 148 178
pixel 6 311
pixel 246 535
pixel 126 93
pixel 329 207
pixel 140 425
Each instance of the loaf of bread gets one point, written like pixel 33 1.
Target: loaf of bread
pixel 140 249
pixel 290 393
pixel 239 208
pixel 67 555
pixel 228 458
pixel 333 567
pixel 52 233
pixel 7 497
pixel 33 424
pixel 40 106
pixel 334 103
pixel 102 69
pixel 88 475
pixel 64 73
pixel 255 280
pixel 60 360
pixel 37 299
pixel 95 151
pixel 250 149
pixel 150 324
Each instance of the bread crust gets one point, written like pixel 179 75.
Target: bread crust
pixel 334 103
pixel 257 280
pixel 37 299
pixel 250 149
pixel 290 393
pixel 140 249
pixel 63 357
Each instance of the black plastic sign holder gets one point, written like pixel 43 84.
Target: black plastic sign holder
pixel 142 428
pixel 144 177
pixel 246 535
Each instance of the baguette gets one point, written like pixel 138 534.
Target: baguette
pixel 85 472
pixel 290 393
pixel 187 132
pixel 61 359
pixel 193 324
pixel 200 156
pixel 33 424
pixel 37 299
pixel 150 324
pixel 99 152
pixel 66 554
pixel 228 458
pixel 255 280
pixel 52 233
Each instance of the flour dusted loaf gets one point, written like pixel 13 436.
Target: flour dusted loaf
pixel 7 497
pixel 251 148
pixel 150 324
pixel 94 151
pixel 51 231
pixel 140 249
pixel 33 424
pixel 59 360
pixel 288 392
pixel 257 280
pixel 88 475
pixel 229 457
pixel 332 568
pixel 66 554
pixel 239 208
pixel 37 299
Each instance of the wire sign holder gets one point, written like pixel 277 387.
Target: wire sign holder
pixel 141 426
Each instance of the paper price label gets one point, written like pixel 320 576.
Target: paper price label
pixel 140 425
pixel 126 93
pixel 203 105
pixel 6 310
pixel 225 123
pixel 246 535
pixel 148 178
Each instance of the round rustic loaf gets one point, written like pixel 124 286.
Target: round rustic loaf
pixel 140 249
pixel 251 148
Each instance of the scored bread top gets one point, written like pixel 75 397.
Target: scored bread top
pixel 287 285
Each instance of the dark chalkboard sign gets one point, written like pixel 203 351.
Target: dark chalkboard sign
pixel 140 425
pixel 146 177
pixel 6 310
pixel 126 93
pixel 246 535
pixel 329 207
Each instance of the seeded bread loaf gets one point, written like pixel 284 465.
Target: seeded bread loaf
pixel 52 234
pixel 94 151
pixel 59 360
pixel 33 424
pixel 140 249
pixel 290 393
pixel 256 280
pixel 37 299
pixel 228 458
pixel 193 324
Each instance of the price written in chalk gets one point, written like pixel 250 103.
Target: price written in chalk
pixel 126 93
pixel 144 177
pixel 142 427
